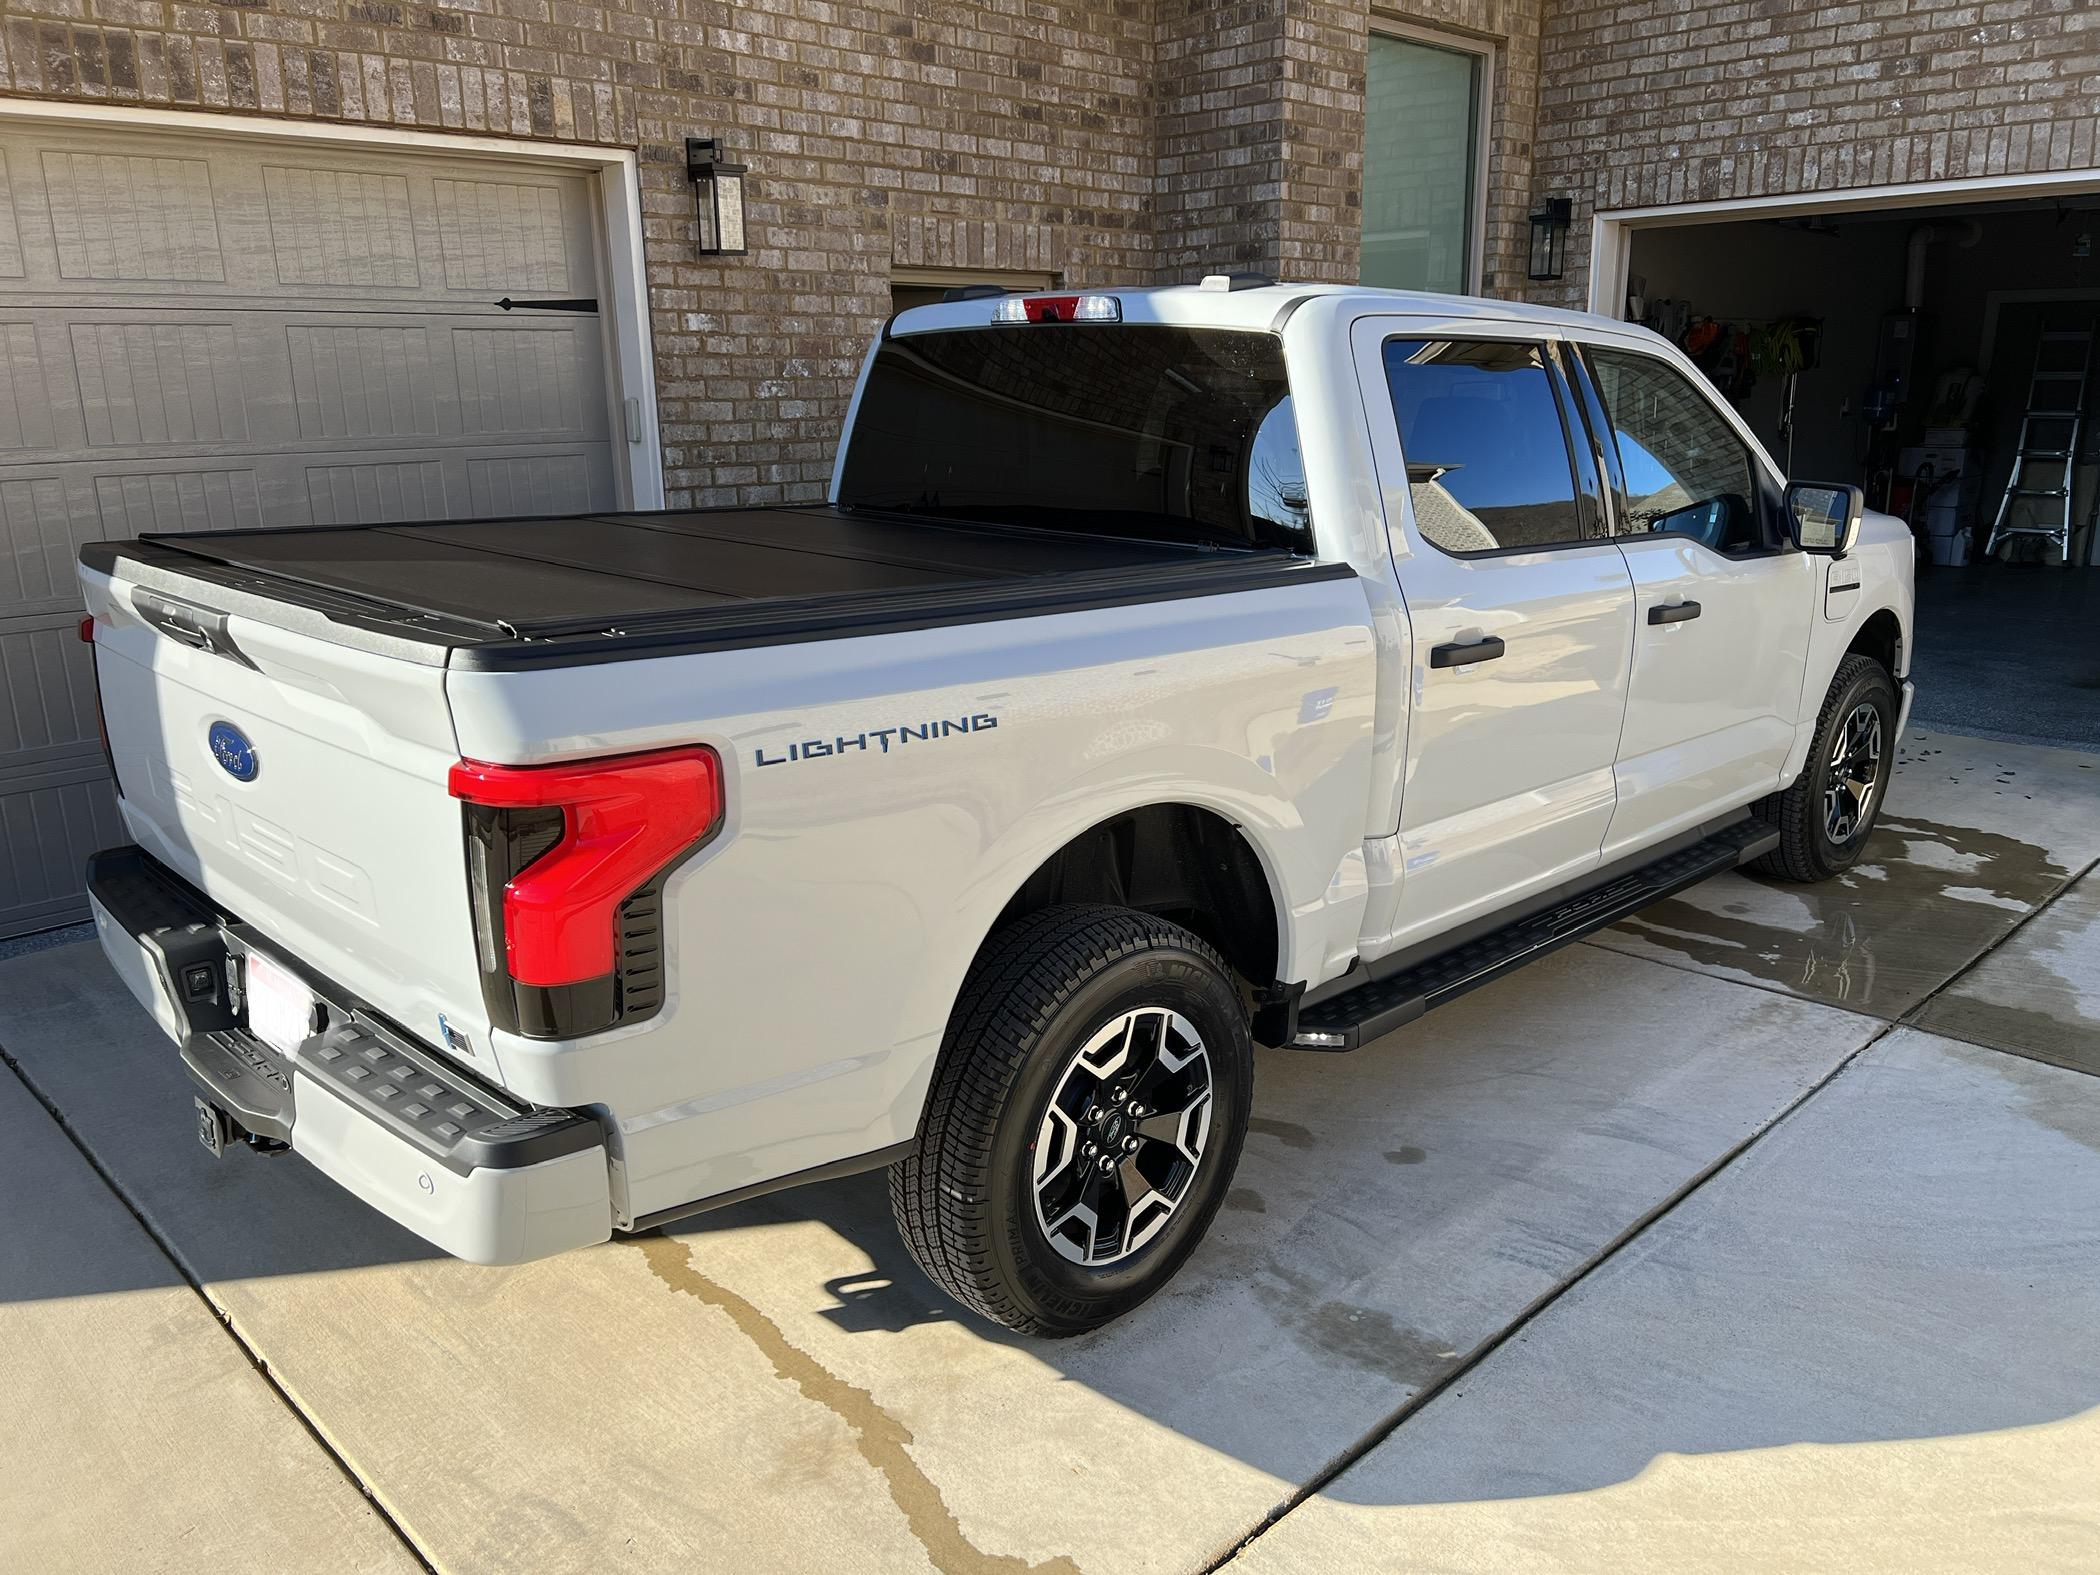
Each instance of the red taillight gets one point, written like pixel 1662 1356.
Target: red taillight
pixel 87 630
pixel 623 820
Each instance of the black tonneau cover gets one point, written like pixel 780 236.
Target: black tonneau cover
pixel 509 592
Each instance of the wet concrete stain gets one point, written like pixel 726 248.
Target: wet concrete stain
pixel 1882 936
pixel 1364 1338
pixel 884 1442
pixel 2046 1097
pixel 1368 1339
pixel 1245 1200
pixel 2040 1033
pixel 1409 1155
pixel 1288 1133
pixel 2021 1000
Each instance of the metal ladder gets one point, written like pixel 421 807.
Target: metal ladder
pixel 2050 429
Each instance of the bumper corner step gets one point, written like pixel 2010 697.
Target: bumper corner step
pixel 381 1073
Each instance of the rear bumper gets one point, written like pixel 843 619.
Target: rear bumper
pixel 463 1165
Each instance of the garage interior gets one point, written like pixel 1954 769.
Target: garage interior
pixel 1936 356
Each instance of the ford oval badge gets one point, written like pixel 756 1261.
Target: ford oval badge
pixel 230 747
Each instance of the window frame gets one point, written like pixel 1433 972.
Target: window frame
pixel 1484 54
pixel 1765 501
pixel 1582 490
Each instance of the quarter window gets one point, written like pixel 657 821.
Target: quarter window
pixel 1486 446
pixel 1685 469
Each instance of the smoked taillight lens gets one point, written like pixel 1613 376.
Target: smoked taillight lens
pixel 565 865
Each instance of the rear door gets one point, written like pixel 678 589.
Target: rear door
pixel 1723 601
pixel 1522 616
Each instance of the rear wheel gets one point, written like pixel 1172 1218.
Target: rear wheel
pixel 1824 818
pixel 1087 1113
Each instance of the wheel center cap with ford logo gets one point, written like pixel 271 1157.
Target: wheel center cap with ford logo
pixel 235 755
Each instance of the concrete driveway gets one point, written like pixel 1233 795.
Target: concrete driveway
pixel 1762 1231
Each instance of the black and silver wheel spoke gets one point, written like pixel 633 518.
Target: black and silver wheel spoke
pixel 1122 1136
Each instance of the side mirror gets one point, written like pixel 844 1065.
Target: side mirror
pixel 1824 518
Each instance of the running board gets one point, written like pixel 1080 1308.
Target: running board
pixel 1378 1006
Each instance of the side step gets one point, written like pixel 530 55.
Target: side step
pixel 1378 1006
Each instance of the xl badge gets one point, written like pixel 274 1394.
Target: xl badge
pixel 235 755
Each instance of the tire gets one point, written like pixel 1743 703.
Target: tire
pixel 1054 997
pixel 1811 846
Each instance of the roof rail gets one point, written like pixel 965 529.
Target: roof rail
pixel 973 292
pixel 1246 279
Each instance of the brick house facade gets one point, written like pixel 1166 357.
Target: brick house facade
pixel 1089 140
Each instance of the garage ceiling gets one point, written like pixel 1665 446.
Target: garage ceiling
pixel 198 333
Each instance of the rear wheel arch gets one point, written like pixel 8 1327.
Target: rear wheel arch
pixel 1178 861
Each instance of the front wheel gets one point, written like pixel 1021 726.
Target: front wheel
pixel 1824 818
pixel 1086 1116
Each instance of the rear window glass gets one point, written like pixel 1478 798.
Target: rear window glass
pixel 1173 434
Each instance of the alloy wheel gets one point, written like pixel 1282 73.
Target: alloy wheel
pixel 1855 773
pixel 1122 1137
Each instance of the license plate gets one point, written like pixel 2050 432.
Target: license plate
pixel 280 1008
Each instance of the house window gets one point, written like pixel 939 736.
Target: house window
pixel 1422 143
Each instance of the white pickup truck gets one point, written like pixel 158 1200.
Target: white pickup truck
pixel 1169 670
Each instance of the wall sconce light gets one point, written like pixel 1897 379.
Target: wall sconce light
pixel 718 194
pixel 1549 237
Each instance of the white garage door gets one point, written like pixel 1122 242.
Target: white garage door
pixel 204 333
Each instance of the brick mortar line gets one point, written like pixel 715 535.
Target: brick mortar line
pixel 219 1317
pixel 1413 1406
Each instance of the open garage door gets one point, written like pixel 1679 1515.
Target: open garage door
pixel 1946 357
pixel 202 333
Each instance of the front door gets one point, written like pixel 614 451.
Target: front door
pixel 1723 602
pixel 1521 609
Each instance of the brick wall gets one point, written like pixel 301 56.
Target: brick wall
pixel 1261 130
pixel 1100 140
pixel 1658 101
pixel 1018 134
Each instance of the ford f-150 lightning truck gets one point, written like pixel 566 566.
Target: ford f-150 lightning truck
pixel 1167 671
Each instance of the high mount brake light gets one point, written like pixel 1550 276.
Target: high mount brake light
pixel 564 863
pixel 1058 309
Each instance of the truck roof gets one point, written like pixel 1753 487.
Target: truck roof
pixel 1260 307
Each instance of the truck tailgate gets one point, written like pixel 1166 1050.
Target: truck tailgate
pixel 334 834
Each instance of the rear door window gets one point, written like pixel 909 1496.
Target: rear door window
pixel 1486 443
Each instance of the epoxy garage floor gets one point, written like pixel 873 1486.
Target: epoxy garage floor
pixel 1761 1232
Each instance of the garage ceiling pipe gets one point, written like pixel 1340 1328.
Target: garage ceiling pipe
pixel 1921 237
